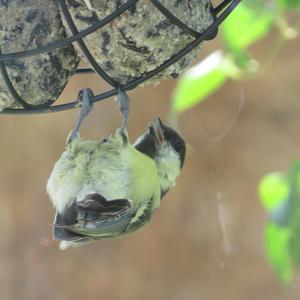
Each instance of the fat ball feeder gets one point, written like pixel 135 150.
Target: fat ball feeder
pixel 127 43
pixel 109 187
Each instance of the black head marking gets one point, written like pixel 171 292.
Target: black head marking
pixel 176 141
pixel 147 144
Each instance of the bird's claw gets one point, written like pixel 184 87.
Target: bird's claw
pixel 84 99
pixel 123 101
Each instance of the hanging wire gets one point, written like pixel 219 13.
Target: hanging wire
pixel 220 12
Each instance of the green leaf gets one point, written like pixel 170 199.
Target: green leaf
pixel 294 172
pixel 273 189
pixel 294 243
pixel 280 194
pixel 276 246
pixel 202 80
pixel 289 4
pixel 248 23
pixel 294 224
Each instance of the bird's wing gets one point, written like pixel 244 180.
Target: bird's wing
pixel 95 217
pixel 143 216
pixel 62 234
pixel 95 206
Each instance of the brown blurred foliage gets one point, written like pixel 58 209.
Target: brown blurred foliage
pixel 205 242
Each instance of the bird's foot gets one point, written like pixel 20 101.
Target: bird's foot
pixel 124 106
pixel 84 99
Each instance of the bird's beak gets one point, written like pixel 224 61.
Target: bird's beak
pixel 156 130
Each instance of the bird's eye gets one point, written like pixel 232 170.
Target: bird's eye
pixel 178 146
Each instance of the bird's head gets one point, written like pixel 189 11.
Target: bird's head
pixel 166 147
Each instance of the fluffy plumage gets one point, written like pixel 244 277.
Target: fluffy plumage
pixel 107 168
pixel 107 188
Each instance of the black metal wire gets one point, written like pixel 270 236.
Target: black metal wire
pixel 84 71
pixel 221 12
pixel 222 5
pixel 83 46
pixel 71 39
pixel 173 19
pixel 26 106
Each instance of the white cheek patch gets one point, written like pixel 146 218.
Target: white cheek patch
pixel 168 165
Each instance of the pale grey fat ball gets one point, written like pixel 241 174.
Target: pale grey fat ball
pixel 28 24
pixel 141 39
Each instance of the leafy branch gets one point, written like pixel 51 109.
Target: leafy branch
pixel 279 192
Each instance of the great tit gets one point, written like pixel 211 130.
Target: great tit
pixel 107 188
pixel 167 148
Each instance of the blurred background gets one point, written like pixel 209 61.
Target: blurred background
pixel 205 242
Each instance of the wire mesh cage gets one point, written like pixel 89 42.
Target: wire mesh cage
pixel 219 13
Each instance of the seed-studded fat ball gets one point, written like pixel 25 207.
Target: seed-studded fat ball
pixel 39 79
pixel 141 38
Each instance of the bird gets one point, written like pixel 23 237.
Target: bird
pixel 167 148
pixel 108 188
